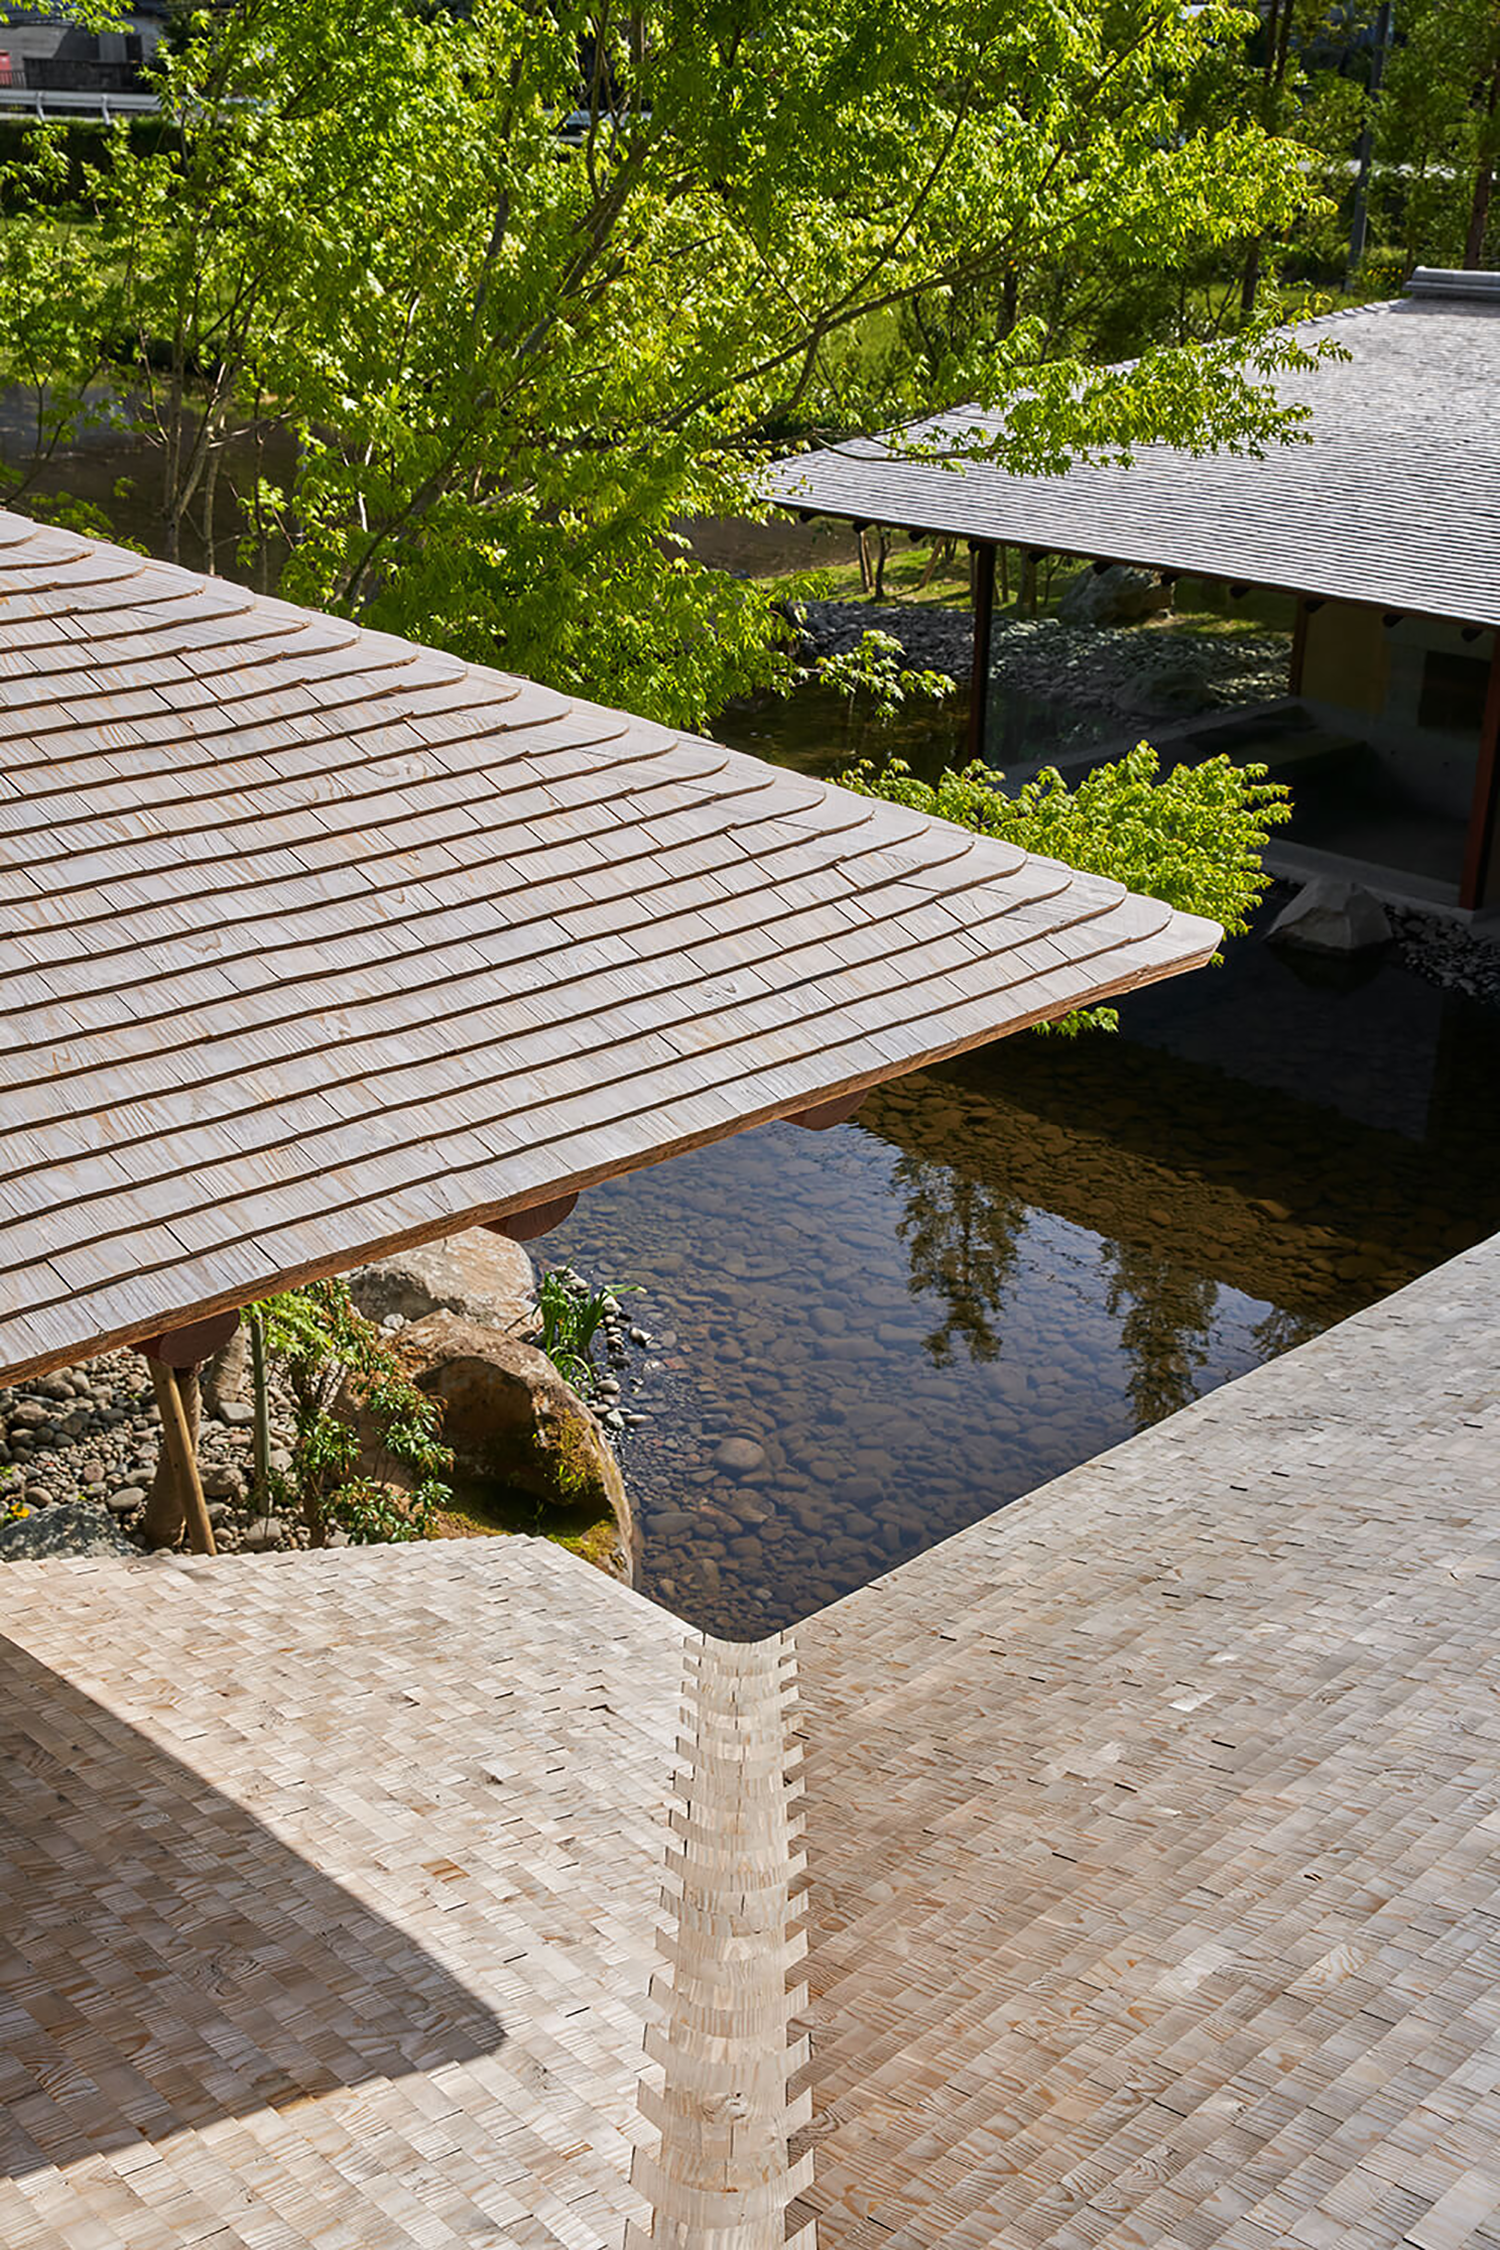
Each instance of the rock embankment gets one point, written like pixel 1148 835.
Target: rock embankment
pixel 1128 672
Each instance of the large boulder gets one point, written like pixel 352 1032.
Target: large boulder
pixel 1329 915
pixel 512 1420
pixel 480 1276
pixel 1116 596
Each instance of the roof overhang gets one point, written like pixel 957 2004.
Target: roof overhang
pixel 315 944
pixel 1392 500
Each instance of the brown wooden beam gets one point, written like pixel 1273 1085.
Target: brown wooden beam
pixel 1484 807
pixel 979 676
pixel 177 1442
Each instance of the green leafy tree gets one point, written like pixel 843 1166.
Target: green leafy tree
pixel 1439 132
pixel 1193 837
pixel 874 668
pixel 419 355
pixel 336 1364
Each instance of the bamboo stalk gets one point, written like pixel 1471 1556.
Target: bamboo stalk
pixel 261 1394
pixel 178 1443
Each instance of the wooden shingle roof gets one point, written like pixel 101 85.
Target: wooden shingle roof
pixel 1394 499
pixel 315 943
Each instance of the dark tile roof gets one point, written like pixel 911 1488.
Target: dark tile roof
pixel 1395 500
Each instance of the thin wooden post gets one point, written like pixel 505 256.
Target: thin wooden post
pixel 979 676
pixel 180 1452
pixel 1484 806
pixel 1299 647
pixel 261 1398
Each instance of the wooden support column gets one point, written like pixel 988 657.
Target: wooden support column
pixel 1477 885
pixel 1299 646
pixel 182 1455
pixel 979 676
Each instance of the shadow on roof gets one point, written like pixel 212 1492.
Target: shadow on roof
pixel 165 1961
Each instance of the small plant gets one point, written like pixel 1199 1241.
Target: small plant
pixel 324 1347
pixel 875 667
pixel 572 1315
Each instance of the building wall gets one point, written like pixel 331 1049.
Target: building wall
pixel 1346 660
pixel 46 50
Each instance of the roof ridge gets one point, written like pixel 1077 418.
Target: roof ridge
pixel 723 2109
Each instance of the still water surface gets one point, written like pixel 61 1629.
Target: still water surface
pixel 1009 1263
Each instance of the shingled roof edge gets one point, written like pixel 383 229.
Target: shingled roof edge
pixel 501 944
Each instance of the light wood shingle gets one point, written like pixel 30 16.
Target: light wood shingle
pixel 314 943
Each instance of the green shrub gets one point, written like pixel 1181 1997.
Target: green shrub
pixel 1193 837
pixel 321 1343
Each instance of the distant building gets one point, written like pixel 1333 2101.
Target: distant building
pixel 51 55
pixel 1385 527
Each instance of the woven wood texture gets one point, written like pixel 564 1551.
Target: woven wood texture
pixel 332 1899
pixel 1153 1829
pixel 722 2172
pixel 403 1898
pixel 314 943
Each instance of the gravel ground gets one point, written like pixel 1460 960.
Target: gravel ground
pixel 1447 954
pixel 1131 672
pixel 78 1451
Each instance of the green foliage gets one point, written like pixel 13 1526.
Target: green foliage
pixel 324 1347
pixel 1438 133
pixel 1193 837
pixel 873 667
pixel 572 1315
pixel 408 356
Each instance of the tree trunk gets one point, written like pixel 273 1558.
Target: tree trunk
pixel 882 556
pixel 180 1448
pixel 1484 182
pixel 166 1502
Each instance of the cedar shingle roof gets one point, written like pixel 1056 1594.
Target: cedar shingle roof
pixel 314 943
pixel 1396 500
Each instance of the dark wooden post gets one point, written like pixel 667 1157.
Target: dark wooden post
pixel 983 551
pixel 1299 646
pixel 1484 807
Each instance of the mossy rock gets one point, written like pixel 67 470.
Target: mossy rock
pixel 513 1422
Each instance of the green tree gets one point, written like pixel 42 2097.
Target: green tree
pixel 428 359
pixel 1439 132
pixel 341 1371
pixel 1193 837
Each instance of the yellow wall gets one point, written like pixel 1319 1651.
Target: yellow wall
pixel 1347 657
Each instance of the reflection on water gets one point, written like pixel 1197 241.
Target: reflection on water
pixel 821 733
pixel 1012 1262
